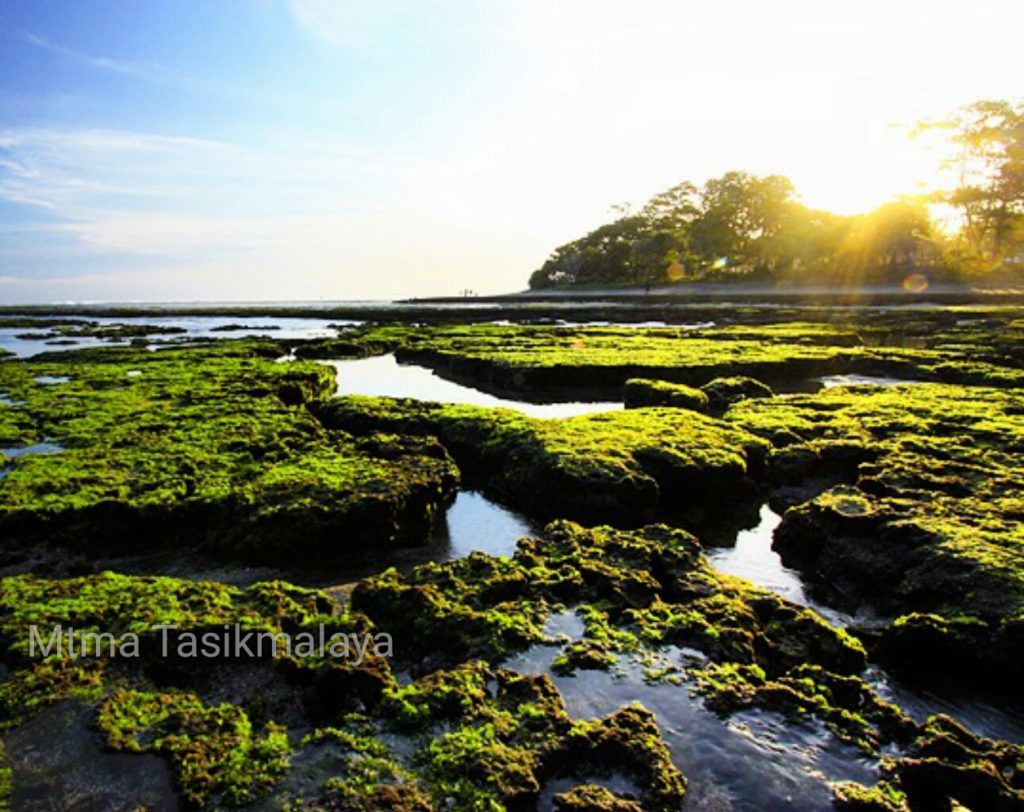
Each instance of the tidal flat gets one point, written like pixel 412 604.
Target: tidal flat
pixel 731 558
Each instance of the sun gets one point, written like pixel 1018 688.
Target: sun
pixel 839 173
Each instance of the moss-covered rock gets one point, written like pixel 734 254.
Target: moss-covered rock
pixel 626 467
pixel 216 755
pixel 366 777
pixel 593 798
pixel 651 584
pixel 723 392
pixel 965 648
pixel 584 655
pixel 522 358
pixel 945 767
pixel 849 796
pixel 628 740
pixel 511 736
pixel 847 706
pixel 926 517
pixel 220 719
pixel 205 446
pixel 634 590
pixel 156 612
pixel 507 358
pixel 640 392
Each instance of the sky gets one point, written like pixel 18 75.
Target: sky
pixel 185 150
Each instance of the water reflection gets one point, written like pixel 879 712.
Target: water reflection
pixel 753 558
pixel 38 448
pixel 383 376
pixel 30 340
pixel 21 451
pixel 475 523
pixel 832 381
pixel 994 717
pixel 471 523
pixel 752 760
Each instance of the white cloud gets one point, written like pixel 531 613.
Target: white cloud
pixel 143 71
pixel 294 218
pixel 137 69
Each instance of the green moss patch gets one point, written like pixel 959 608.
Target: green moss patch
pixel 615 466
pixel 209 446
pixel 216 755
pixel 641 392
pixel 511 358
pixel 945 767
pixel 929 517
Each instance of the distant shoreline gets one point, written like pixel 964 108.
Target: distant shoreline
pixel 553 303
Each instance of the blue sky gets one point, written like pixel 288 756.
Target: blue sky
pixel 264 149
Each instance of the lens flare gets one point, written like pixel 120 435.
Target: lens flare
pixel 915 283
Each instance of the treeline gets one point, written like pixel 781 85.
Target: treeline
pixel 745 226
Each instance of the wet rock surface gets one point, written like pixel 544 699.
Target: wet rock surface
pixel 209 447
pixel 901 500
pixel 624 466
pixel 913 506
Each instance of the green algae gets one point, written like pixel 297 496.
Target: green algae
pixel 479 770
pixel 635 590
pixel 5 781
pixel 584 655
pixel 944 767
pixel 216 755
pixel 512 733
pixel 593 798
pixel 366 776
pixel 123 604
pixel 481 737
pixel 27 691
pixel 538 357
pixel 441 696
pixel 723 392
pixel 615 466
pixel 489 738
pixel 429 616
pixel 512 739
pixel 847 706
pixel 149 702
pixel 484 739
pixel 120 605
pixel 639 392
pixel 210 446
pixel 929 517
pixel 525 357
pixel 854 797
pixel 652 584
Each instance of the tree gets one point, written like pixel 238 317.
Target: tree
pixel 890 242
pixel 672 210
pixel 604 256
pixel 741 218
pixel 989 195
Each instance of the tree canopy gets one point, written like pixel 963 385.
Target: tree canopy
pixel 989 192
pixel 742 225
